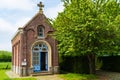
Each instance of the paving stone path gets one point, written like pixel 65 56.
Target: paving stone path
pixel 10 74
pixel 49 77
pixel 102 75
pixel 105 75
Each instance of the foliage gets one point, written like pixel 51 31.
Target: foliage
pixel 98 63
pixel 5 56
pixel 5 65
pixel 72 76
pixel 88 27
pixel 111 63
pixel 74 64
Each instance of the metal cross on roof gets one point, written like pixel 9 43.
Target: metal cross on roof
pixel 40 5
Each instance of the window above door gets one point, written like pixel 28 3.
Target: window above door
pixel 40 31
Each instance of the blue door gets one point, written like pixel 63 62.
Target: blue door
pixel 36 62
pixel 40 57
pixel 46 63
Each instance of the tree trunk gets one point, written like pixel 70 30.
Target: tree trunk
pixel 91 58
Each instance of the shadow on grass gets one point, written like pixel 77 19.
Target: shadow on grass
pixel 76 76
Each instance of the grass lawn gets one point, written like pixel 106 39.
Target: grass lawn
pixel 3 76
pixel 5 65
pixel 72 76
pixel 69 76
pixel 23 79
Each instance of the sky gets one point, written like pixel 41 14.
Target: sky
pixel 16 13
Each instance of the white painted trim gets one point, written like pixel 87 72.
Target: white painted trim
pixel 16 69
pixel 49 52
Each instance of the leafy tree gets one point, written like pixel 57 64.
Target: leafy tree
pixel 88 27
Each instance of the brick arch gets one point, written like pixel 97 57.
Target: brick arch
pixel 49 52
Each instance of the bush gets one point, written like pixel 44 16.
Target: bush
pixel 5 56
pixel 98 63
pixel 77 64
pixel 111 63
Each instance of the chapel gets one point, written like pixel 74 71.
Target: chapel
pixel 34 50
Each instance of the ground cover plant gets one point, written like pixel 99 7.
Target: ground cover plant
pixel 72 76
pixel 5 65
pixel 3 76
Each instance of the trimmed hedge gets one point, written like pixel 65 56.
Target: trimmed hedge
pixel 77 64
pixel 5 56
pixel 111 63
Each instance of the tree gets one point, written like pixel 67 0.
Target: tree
pixel 88 27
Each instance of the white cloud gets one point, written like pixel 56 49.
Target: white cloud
pixel 52 12
pixel 5 26
pixel 8 27
pixel 7 31
pixel 22 21
pixel 16 4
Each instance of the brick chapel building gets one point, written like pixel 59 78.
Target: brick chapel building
pixel 33 48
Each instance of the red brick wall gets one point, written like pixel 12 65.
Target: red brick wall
pixel 31 37
pixel 25 40
pixel 15 51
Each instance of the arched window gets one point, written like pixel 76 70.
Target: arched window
pixel 40 30
pixel 40 47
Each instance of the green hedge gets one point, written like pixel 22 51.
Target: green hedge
pixel 110 63
pixel 77 64
pixel 5 56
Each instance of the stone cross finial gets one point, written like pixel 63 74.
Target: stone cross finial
pixel 40 5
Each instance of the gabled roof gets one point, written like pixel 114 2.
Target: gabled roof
pixel 39 14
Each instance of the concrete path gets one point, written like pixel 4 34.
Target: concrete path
pixel 49 77
pixel 102 75
pixel 11 74
pixel 105 75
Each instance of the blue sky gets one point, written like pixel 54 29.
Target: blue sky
pixel 16 13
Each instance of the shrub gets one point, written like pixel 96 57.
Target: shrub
pixel 5 56
pixel 76 64
pixel 98 63
pixel 111 63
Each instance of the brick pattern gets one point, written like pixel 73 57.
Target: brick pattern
pixel 22 42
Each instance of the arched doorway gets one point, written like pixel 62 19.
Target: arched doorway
pixel 40 57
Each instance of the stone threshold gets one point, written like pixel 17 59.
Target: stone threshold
pixel 42 73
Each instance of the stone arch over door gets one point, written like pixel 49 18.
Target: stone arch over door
pixel 39 53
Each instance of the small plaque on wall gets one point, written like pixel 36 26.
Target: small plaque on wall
pixel 24 63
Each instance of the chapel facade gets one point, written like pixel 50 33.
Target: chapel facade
pixel 34 50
